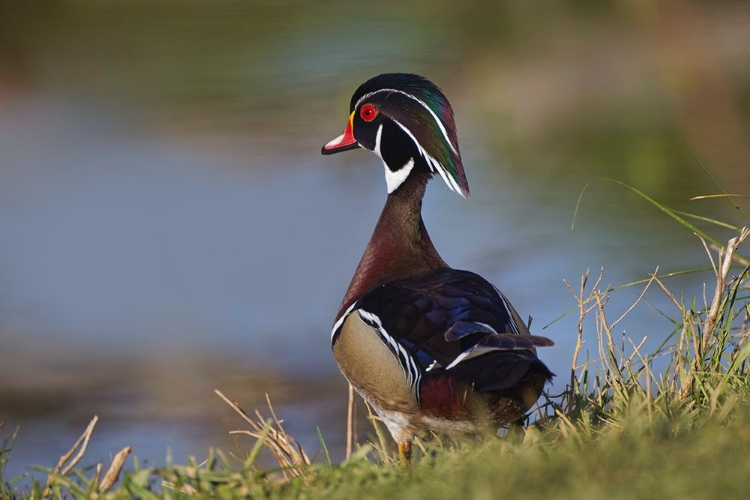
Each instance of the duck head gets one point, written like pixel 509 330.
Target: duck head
pixel 407 121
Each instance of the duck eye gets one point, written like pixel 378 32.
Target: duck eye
pixel 368 112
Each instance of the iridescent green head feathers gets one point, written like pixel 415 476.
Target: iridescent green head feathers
pixel 407 121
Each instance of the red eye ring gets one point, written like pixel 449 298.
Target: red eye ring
pixel 368 112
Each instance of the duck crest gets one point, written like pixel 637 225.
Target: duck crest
pixel 407 121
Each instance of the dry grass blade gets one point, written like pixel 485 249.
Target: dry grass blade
pixel 110 478
pixel 383 447
pixel 737 258
pixel 288 452
pixel 640 297
pixel 713 316
pixel 586 304
pixel 666 291
pixel 720 195
pixel 80 445
pixel 351 421
pixel 725 261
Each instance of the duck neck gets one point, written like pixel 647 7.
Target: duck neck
pixel 400 246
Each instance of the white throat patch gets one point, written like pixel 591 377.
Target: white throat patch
pixel 392 179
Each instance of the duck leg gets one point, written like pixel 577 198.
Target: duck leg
pixel 404 453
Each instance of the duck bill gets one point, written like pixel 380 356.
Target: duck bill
pixel 344 142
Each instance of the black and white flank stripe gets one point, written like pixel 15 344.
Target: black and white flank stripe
pixel 406 360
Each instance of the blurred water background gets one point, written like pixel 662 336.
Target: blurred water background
pixel 168 225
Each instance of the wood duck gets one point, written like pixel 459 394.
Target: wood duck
pixel 427 346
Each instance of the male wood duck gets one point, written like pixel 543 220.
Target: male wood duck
pixel 427 346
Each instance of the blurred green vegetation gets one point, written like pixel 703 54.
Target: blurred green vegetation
pixel 661 457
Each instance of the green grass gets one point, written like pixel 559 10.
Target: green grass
pixel 621 429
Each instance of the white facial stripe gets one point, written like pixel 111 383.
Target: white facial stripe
pixel 432 163
pixel 378 136
pixel 434 116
